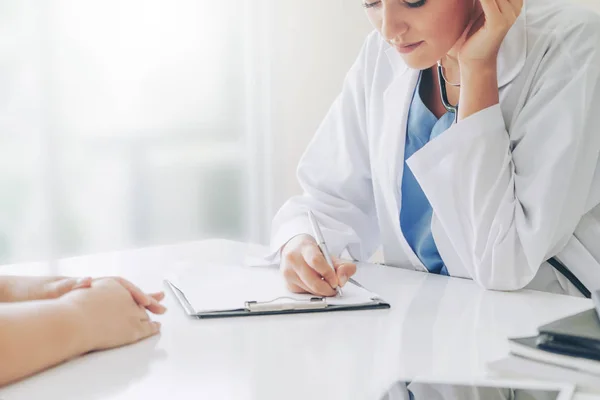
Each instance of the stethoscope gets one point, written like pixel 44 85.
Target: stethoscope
pixel 444 93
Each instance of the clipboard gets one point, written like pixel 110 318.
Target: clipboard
pixel 282 302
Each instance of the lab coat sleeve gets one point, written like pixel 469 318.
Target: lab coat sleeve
pixel 334 174
pixel 508 199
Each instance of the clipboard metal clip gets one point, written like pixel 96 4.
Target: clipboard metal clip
pixel 279 305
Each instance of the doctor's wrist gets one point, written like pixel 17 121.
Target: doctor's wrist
pixel 293 243
pixel 479 90
pixel 476 68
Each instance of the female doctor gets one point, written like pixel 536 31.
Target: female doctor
pixel 485 167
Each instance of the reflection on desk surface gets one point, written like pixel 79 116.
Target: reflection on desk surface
pixel 488 391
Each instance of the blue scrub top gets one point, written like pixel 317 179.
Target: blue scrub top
pixel 416 211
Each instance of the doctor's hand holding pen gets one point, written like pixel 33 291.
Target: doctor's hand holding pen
pixel 306 270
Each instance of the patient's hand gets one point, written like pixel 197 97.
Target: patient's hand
pixel 28 288
pixel 107 316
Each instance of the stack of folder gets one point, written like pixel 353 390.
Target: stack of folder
pixel 566 350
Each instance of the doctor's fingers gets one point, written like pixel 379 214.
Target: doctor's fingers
pixel 296 289
pixel 314 258
pixel 311 279
pixel 345 270
pixel 293 283
pixel 507 10
pixel 517 6
pixel 492 12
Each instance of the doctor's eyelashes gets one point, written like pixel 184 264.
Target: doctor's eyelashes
pixel 409 4
pixel 372 4
pixel 415 4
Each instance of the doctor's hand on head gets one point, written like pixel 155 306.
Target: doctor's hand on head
pixel 490 22
pixel 306 271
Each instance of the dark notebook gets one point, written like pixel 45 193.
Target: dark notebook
pixel 577 335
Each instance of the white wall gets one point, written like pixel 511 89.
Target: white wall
pixel 314 44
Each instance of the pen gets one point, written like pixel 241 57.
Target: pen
pixel 321 243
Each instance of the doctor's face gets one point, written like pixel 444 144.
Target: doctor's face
pixel 423 31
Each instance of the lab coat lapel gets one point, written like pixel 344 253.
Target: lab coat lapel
pixel 513 51
pixel 397 99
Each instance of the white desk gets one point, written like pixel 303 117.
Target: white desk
pixel 437 328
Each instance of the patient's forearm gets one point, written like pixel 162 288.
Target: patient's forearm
pixel 37 335
pixel 5 289
pixel 27 288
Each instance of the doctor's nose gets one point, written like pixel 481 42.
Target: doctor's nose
pixel 393 25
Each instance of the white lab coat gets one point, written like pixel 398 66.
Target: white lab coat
pixel 510 186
